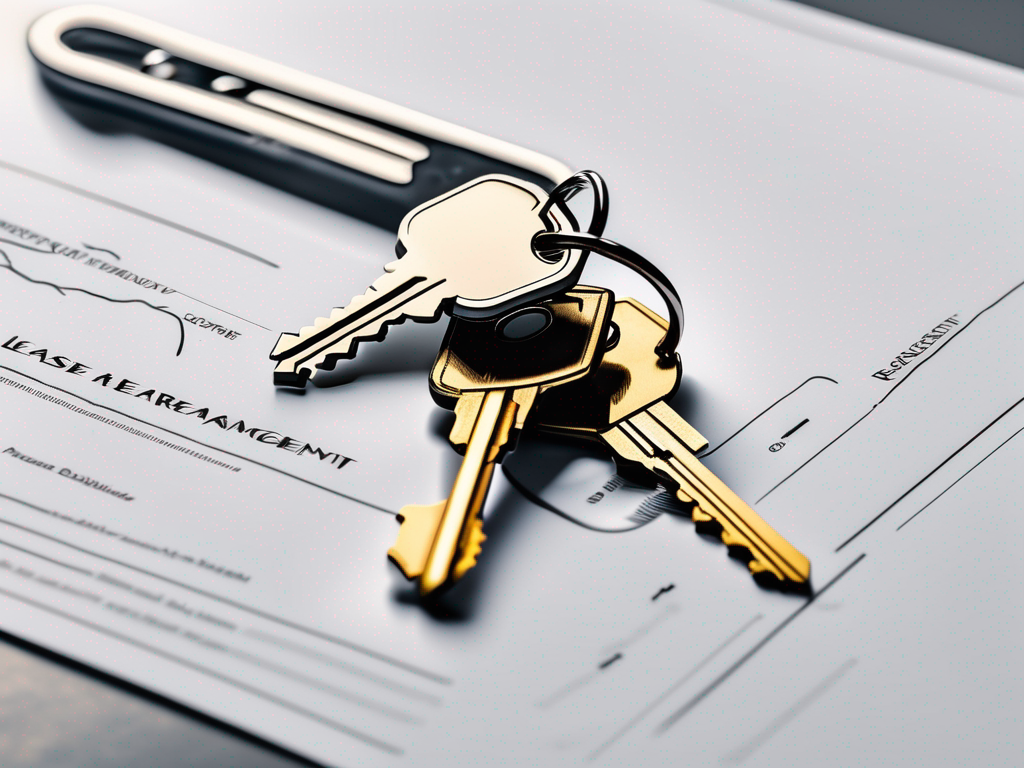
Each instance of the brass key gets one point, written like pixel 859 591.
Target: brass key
pixel 491 373
pixel 623 404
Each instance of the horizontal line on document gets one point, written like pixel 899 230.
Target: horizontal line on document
pixel 219 309
pixel 746 750
pixel 332 690
pixel 198 442
pixel 794 429
pixel 814 456
pixel 693 702
pixel 910 373
pixel 943 463
pixel 675 687
pixel 334 725
pixel 262 663
pixel 83 571
pixel 965 474
pixel 227 601
pixel 793 391
pixel 97 198
pixel 302 650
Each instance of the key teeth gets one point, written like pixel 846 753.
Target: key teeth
pixel 330 360
pixel 768 578
pixel 286 377
pixel 415 537
pixel 700 517
pixel 335 314
pixel 730 539
pixel 764 574
pixel 288 340
pixel 322 322
pixel 474 539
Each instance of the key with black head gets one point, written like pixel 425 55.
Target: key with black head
pixel 492 374
pixel 623 404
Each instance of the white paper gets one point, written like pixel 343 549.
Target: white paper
pixel 825 197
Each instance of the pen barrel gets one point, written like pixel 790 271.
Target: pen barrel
pixel 363 156
pixel 304 174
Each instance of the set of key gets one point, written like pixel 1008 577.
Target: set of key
pixel 623 405
pixel 526 344
pixel 526 347
pixel 492 377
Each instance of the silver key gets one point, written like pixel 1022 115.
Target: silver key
pixel 468 252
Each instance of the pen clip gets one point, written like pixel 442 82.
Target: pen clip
pixel 327 142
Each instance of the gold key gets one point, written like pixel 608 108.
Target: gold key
pixel 623 404
pixel 491 373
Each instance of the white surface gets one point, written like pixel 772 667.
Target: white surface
pixel 819 206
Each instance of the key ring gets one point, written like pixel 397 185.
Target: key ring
pixel 591 240
pixel 666 349
pixel 572 186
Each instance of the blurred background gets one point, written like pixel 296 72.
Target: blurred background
pixel 990 28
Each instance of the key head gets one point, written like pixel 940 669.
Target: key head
pixel 548 343
pixel 478 239
pixel 630 377
pixel 469 252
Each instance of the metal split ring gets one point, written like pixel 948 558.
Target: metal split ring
pixel 591 241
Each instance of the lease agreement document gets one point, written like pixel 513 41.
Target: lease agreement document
pixel 841 211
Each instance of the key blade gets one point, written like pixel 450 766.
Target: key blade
pixel 513 420
pixel 396 296
pixel 467 408
pixel 419 523
pixel 488 416
pixel 493 418
pixel 643 439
